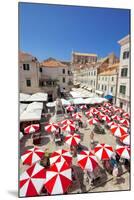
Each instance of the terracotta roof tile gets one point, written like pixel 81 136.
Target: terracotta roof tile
pixel 52 63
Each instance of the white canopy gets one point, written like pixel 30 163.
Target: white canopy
pixel 94 100
pixel 24 97
pixel 88 88
pixel 78 101
pixel 65 102
pixel 30 116
pixel 39 96
pixel 34 106
pixel 23 106
pixel 99 92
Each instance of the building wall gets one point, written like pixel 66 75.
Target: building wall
pixel 57 73
pixel 87 76
pixel 31 74
pixel 124 63
pixel 108 84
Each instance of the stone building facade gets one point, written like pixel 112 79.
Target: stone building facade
pixel 123 93
pixel 28 73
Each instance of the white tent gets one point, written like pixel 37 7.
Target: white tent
pixel 78 101
pixel 30 116
pixel 23 106
pixel 24 97
pixel 39 96
pixel 95 100
pixel 65 102
pixel 34 106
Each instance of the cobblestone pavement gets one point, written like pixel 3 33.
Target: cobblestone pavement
pixel 108 138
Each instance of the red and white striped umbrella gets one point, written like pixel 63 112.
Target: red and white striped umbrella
pixel 77 116
pixel 101 108
pixel 32 181
pixel 126 115
pixel 72 140
pixel 124 122
pixel 106 104
pixel 70 108
pixel 100 114
pixel 103 151
pixel 89 114
pixel 94 110
pixel 106 118
pixel 68 127
pixel 87 160
pixel 123 151
pixel 118 130
pixel 106 111
pixel 67 121
pixel 32 128
pixel 61 155
pixel 125 139
pixel 51 127
pixel 32 155
pixel 58 178
pixel 116 117
pixel 83 107
pixel 111 124
pixel 93 121
pixel 118 109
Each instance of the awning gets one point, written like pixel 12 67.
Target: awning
pixel 23 107
pixel 109 97
pixel 39 96
pixel 34 106
pixel 31 116
pixel 89 88
pixel 24 97
pixel 99 92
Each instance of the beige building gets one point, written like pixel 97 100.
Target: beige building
pixel 83 58
pixel 123 93
pixel 28 73
pixel 107 82
pixel 86 75
pixel 55 75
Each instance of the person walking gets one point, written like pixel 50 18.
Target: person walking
pixel 115 174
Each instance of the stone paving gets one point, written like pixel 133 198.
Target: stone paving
pixel 108 138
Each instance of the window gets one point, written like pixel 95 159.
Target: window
pixel 94 73
pixel 69 72
pixel 41 83
pixel 102 87
pixel 124 72
pixel 105 78
pixel 26 67
pixel 121 105
pixel 105 87
pixel 112 78
pixel 63 71
pixel 28 83
pixel 91 82
pixel 111 89
pixel 94 83
pixel 63 80
pixel 89 73
pixel 125 54
pixel 40 69
pixel 122 89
